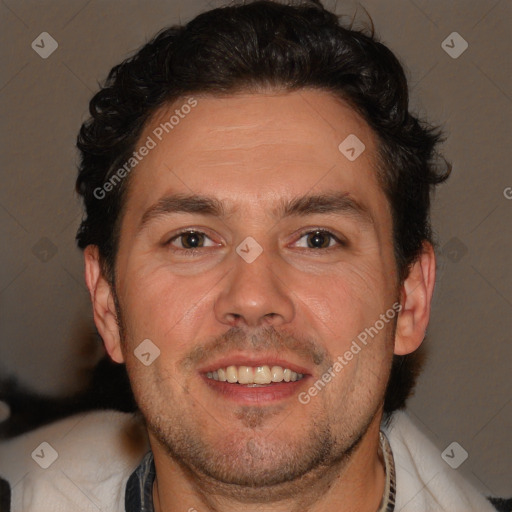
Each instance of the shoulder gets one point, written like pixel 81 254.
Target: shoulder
pixel 79 463
pixel 424 480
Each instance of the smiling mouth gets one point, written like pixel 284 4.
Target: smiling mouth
pixel 254 376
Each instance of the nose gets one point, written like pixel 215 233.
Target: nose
pixel 255 294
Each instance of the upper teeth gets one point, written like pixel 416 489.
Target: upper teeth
pixel 254 374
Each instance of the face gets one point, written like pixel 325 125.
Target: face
pixel 252 249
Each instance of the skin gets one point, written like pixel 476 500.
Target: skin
pixel 305 306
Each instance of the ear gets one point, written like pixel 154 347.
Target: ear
pixel 103 306
pixel 416 297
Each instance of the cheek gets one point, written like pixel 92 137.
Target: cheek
pixel 161 306
pixel 344 302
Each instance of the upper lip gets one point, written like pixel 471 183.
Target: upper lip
pixel 253 360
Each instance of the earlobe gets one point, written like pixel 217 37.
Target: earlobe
pixel 416 296
pixel 102 303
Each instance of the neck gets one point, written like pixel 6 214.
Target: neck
pixel 354 483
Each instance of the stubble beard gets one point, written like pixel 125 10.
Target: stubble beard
pixel 237 460
pixel 249 467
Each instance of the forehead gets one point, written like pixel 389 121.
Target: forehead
pixel 249 148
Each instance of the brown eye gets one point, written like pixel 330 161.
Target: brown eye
pixel 319 239
pixel 189 240
pixel 192 240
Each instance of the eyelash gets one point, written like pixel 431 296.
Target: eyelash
pixel 195 251
pixel 187 252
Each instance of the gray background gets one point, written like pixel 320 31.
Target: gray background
pixel 46 329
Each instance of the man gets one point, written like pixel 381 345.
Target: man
pixel 258 253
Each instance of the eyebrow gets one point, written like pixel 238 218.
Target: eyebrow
pixel 339 203
pixel 328 203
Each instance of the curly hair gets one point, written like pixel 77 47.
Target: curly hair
pixel 256 46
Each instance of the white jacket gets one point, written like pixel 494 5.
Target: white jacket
pixel 93 454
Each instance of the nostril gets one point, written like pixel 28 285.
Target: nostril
pixel 234 318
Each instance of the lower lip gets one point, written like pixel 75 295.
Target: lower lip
pixel 261 394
